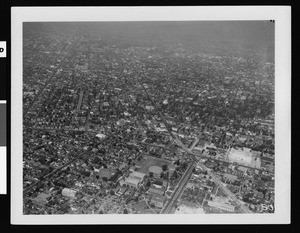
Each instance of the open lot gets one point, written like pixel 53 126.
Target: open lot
pixel 148 161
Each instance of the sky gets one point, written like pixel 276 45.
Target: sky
pixel 254 33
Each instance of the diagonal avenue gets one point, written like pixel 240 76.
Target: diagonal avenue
pixel 178 190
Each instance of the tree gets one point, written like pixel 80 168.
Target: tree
pixel 125 211
pixel 150 174
pixel 164 167
pixel 148 183
pixel 161 175
pixel 112 192
pixel 183 165
pixel 104 179
pixel 166 175
pixel 175 175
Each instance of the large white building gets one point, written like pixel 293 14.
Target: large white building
pixel 138 175
pixel 132 182
pixel 134 179
pixel 68 193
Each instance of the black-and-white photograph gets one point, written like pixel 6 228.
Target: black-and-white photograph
pixel 148 117
pixel 141 117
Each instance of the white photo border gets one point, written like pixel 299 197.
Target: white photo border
pixel 282 17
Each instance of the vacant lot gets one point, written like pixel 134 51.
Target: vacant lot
pixel 148 161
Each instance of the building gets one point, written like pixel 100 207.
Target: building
pixel 132 182
pixel 68 193
pixel 83 67
pixel 138 175
pixel 230 177
pixel 41 199
pixel 101 136
pixel 243 169
pixel 221 205
pixel 156 189
pixel 268 163
pixel 134 179
pixel 150 108
pixel 158 200
pixel 120 191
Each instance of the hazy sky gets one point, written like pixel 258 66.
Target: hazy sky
pixel 260 33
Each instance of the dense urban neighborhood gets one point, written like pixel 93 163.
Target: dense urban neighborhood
pixel 116 122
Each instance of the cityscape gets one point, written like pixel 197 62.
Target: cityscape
pixel 148 117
